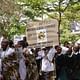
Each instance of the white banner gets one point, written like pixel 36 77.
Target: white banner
pixel 42 33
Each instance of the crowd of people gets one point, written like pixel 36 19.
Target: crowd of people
pixel 19 62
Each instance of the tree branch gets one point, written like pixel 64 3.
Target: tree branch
pixel 67 5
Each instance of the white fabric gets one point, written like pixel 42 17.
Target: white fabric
pixel 75 53
pixel 1 38
pixel 40 54
pixel 79 50
pixel 64 50
pixel 27 51
pixel 0 66
pixel 22 66
pixel 47 64
pixel 30 51
pixel 8 51
pixel 17 38
pixel 22 69
pixel 51 54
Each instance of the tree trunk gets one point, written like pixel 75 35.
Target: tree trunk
pixel 59 22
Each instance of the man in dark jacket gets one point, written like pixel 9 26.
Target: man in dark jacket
pixel 60 64
pixel 69 63
pixel 76 62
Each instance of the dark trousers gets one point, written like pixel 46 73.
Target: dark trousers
pixel 47 75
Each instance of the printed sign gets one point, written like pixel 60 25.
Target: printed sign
pixel 42 33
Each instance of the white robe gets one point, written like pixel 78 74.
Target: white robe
pixel 22 66
pixel 22 69
pixel 47 64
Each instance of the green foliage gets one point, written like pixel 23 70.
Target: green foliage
pixel 65 11
pixel 9 26
pixel 33 8
pixel 71 14
pixel 9 18
pixel 16 27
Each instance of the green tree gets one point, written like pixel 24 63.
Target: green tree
pixel 64 12
pixel 33 8
pixel 70 15
pixel 9 18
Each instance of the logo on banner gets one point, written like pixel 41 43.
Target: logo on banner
pixel 41 35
